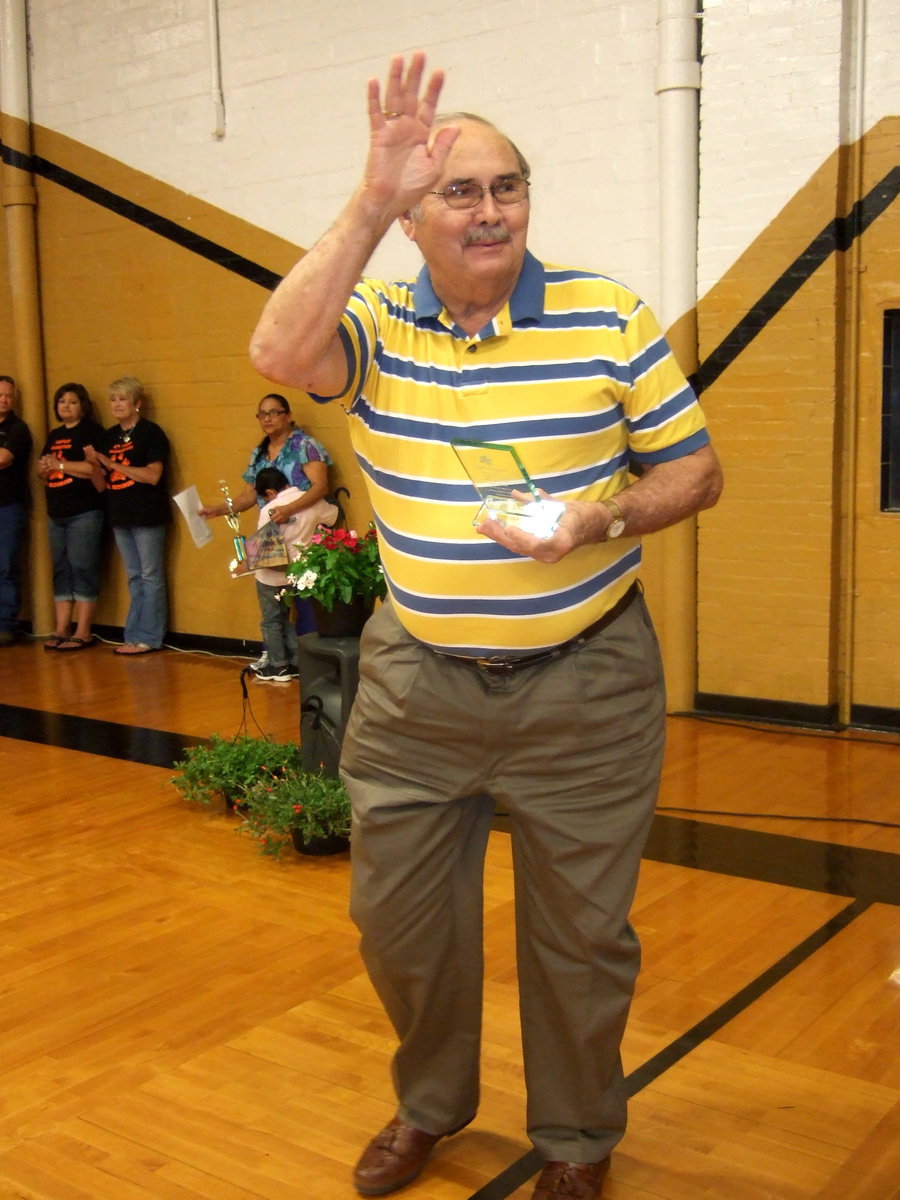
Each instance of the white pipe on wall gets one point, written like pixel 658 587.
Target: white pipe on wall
pixel 14 88
pixel 215 70
pixel 677 87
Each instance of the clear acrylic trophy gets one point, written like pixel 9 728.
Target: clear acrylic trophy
pixel 496 471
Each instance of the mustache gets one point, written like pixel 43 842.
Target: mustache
pixel 487 233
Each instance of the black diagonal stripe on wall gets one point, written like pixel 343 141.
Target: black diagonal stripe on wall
pixel 838 234
pixel 145 217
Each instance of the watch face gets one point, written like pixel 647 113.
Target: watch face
pixel 616 528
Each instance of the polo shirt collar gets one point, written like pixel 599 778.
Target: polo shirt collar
pixel 525 304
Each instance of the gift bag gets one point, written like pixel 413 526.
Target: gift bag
pixel 266 548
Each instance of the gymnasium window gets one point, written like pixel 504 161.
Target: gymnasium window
pixel 890 420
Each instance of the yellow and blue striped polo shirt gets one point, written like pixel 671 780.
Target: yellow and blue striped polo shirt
pixel 575 373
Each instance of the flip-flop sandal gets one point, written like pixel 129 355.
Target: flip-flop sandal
pixel 54 641
pixel 74 643
pixel 131 648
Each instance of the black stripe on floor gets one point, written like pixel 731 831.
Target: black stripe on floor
pixel 872 875
pixel 519 1172
pixel 153 747
pixel 866 875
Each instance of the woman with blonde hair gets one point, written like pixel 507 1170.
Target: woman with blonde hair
pixel 133 455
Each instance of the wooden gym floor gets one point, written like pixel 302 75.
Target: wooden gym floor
pixel 183 1019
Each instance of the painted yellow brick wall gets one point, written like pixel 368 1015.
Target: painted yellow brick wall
pixel 765 590
pixel 765 602
pixel 774 580
pixel 7 356
pixel 874 652
pixel 119 299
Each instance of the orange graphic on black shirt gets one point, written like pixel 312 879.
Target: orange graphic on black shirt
pixel 116 481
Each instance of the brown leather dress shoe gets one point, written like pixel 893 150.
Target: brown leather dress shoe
pixel 571 1181
pixel 393 1158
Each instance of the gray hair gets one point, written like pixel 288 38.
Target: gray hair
pixel 452 118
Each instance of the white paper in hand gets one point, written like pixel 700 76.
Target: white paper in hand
pixel 188 502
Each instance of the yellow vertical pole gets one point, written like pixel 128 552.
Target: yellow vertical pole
pixel 19 202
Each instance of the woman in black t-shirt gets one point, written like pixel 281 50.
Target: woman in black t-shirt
pixel 133 455
pixel 75 509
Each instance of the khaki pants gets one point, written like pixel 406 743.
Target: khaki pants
pixel 572 749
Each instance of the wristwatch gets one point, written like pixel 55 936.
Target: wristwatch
pixel 616 527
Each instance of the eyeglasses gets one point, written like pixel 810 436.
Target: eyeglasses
pixel 270 412
pixel 511 190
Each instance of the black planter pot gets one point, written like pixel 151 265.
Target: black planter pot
pixel 333 844
pixel 344 620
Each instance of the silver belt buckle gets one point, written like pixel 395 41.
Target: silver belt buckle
pixel 496 666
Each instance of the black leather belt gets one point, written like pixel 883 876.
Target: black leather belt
pixel 500 665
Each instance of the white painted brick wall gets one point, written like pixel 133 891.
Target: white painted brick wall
pixel 882 60
pixel 770 113
pixel 571 80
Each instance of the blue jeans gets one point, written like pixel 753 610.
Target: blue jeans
pixel 277 626
pixel 12 530
pixel 142 548
pixel 75 546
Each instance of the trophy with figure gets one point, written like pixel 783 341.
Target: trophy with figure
pixel 234 523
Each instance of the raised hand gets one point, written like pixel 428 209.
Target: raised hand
pixel 405 157
pixel 296 340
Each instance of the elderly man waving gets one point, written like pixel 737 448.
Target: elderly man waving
pixel 510 664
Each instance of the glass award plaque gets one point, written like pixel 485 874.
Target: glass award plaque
pixel 496 471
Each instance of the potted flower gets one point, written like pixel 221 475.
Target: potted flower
pixel 308 808
pixel 341 574
pixel 227 767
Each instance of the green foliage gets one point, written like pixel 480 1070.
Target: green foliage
pixel 290 798
pixel 338 565
pixel 227 768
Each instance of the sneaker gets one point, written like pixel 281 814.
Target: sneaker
pixel 262 661
pixel 272 674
